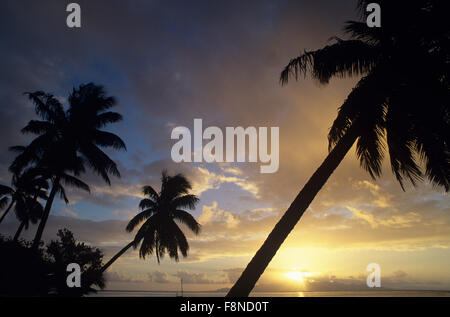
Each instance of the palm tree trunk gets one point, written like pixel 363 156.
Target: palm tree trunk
pixel 19 231
pixel 43 222
pixel 114 258
pixel 262 258
pixel 7 210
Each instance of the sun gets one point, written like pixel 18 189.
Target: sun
pixel 298 276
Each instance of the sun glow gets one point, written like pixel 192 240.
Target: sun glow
pixel 298 276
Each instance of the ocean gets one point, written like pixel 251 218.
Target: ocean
pixel 371 293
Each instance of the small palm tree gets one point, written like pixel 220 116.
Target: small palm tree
pixel 159 232
pixel 27 211
pixel 401 101
pixel 54 168
pixel 28 185
pixel 5 191
pixel 67 140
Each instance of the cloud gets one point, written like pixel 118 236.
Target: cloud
pixel 233 274
pixel 209 180
pixel 195 278
pixel 158 277
pixel 214 214
pixel 397 221
pixel 119 276
pixel 69 212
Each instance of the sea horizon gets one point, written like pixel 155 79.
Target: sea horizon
pixel 342 293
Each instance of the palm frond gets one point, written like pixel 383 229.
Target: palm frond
pixel 74 182
pixel 187 219
pixel 6 190
pixel 360 31
pixel 99 162
pixel 107 139
pixel 47 106
pixel 107 117
pixel 174 186
pixel 341 59
pixel 186 201
pixel 147 203
pixel 39 127
pixel 180 242
pixel 62 193
pixel 370 147
pixel 358 107
pixel 150 192
pixel 136 220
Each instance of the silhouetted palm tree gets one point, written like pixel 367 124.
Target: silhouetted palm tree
pixel 29 209
pixel 4 193
pixel 159 232
pixel 402 100
pixel 26 186
pixel 69 140
pixel 55 166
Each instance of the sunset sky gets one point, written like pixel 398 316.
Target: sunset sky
pixel 168 62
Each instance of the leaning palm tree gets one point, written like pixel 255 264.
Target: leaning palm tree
pixel 402 101
pixel 67 140
pixel 159 232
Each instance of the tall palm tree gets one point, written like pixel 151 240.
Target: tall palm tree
pixel 160 212
pixel 67 140
pixel 26 185
pixel 402 101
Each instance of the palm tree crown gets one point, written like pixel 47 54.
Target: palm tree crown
pixel 159 232
pixel 160 211
pixel 402 100
pixel 68 140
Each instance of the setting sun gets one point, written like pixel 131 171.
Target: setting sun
pixel 298 276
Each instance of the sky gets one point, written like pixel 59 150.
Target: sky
pixel 169 62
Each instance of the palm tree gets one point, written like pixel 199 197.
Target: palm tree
pixel 27 211
pixel 68 140
pixel 55 166
pixel 26 186
pixel 402 101
pixel 159 232
pixel 5 193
